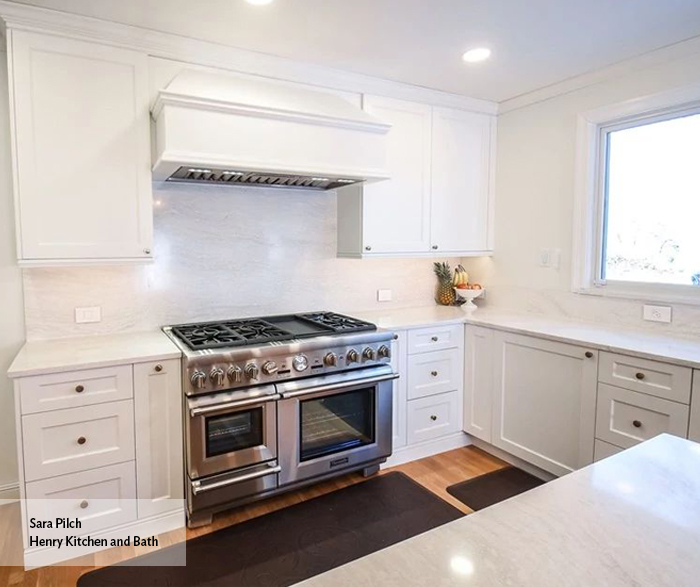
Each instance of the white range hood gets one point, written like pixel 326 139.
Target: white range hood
pixel 219 129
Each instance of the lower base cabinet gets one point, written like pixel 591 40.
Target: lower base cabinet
pixel 433 417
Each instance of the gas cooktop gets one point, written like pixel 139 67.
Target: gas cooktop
pixel 256 331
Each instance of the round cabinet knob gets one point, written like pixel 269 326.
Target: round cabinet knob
pixel 640 376
pixel 434 373
pixel 252 371
pixel 217 376
pixel 369 354
pixel 433 417
pixel 269 368
pixel 158 368
pixel 434 338
pixel 147 251
pixel 368 248
pixel 300 363
pixel 637 424
pixel 79 389
pixel 330 360
pixel 84 504
pixel 589 355
pixel 198 380
pixel 82 440
pixel 234 374
pixel 384 352
pixel 352 356
pixel 435 247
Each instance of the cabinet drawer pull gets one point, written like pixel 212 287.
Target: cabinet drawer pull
pixel 435 247
pixel 158 368
pixel 640 376
pixel 79 389
pixel 84 504
pixel 368 248
pixel 434 373
pixel 433 417
pixel 82 440
pixel 637 424
pixel 434 339
pixel 589 355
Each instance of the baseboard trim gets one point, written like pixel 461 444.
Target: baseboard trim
pixel 513 460
pixel 406 454
pixel 10 492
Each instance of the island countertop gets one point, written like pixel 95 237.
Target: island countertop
pixel 631 519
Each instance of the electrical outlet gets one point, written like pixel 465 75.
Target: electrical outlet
pixel 87 315
pixel 383 295
pixel 545 258
pixel 657 314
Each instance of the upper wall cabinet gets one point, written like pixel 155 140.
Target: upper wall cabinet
pixel 81 147
pixel 439 199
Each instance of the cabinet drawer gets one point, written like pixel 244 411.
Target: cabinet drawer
pixel 68 441
pixel 76 388
pixel 435 338
pixel 651 377
pixel 432 373
pixel 100 498
pixel 433 417
pixel 603 450
pixel 625 418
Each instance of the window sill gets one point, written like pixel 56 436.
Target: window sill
pixel 660 297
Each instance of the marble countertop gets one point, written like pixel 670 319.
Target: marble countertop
pixel 400 319
pixel 90 352
pixel 632 519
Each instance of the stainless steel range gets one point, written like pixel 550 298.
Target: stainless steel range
pixel 277 402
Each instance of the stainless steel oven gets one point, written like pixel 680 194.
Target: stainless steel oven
pixel 335 422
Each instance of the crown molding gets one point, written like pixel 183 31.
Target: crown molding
pixel 658 56
pixel 194 51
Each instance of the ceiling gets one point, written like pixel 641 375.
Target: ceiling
pixel 535 43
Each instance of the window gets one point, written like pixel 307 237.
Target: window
pixel 639 202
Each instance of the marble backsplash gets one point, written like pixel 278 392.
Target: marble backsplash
pixel 220 253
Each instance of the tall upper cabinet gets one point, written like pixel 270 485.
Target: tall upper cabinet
pixel 439 200
pixel 81 149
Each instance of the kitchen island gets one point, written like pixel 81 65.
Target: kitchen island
pixel 631 519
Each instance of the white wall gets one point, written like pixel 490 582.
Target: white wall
pixel 11 312
pixel 534 204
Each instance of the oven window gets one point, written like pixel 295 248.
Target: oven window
pixel 336 423
pixel 235 431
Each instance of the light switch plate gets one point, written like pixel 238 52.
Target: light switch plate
pixel 657 313
pixel 383 295
pixel 87 315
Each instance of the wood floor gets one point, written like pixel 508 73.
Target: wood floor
pixel 435 473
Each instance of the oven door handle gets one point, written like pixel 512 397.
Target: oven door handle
pixel 194 412
pixel 197 487
pixel 338 386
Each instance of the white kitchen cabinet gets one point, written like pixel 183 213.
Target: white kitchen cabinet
pixel 439 199
pixel 399 364
pixel 158 412
pixel 478 381
pixel 544 401
pixel 462 182
pixel 81 147
pixel 694 431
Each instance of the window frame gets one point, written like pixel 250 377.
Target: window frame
pixel 594 128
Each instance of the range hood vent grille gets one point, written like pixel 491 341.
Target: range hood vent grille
pixel 211 175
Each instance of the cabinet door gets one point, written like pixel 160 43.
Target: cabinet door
pixel 81 132
pixel 694 432
pixel 158 407
pixel 461 181
pixel 544 403
pixel 396 212
pixel 478 381
pixel 399 364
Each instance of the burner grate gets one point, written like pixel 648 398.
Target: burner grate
pixel 338 323
pixel 231 333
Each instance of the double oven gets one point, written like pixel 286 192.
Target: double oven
pixel 251 443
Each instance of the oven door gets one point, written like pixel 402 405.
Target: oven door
pixel 335 422
pixel 230 430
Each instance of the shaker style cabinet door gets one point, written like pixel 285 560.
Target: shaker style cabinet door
pixel 396 212
pixel 81 146
pixel 461 181
pixel 478 381
pixel 159 461
pixel 544 401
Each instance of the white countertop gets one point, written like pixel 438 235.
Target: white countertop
pixel 403 318
pixel 632 519
pixel 90 352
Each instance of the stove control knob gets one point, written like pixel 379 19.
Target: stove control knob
pixel 252 371
pixel 269 368
pixel 330 360
pixel 235 374
pixel 384 352
pixel 300 363
pixel 369 354
pixel 198 380
pixel 217 376
pixel 352 357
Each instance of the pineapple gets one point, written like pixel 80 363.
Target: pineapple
pixel 445 295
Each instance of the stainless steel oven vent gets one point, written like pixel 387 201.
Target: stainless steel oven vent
pixel 212 175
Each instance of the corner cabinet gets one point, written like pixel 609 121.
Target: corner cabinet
pixel 439 199
pixel 81 150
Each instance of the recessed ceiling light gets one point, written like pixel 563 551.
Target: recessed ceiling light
pixel 258 2
pixel 477 55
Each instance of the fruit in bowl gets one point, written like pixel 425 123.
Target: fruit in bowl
pixel 462 286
